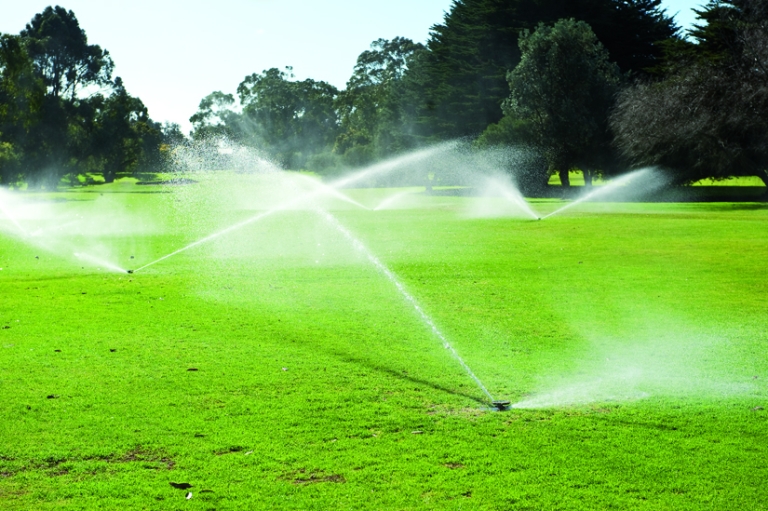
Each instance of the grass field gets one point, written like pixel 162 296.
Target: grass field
pixel 275 367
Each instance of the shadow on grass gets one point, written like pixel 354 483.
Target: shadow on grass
pixel 103 192
pixel 745 206
pixel 746 194
pixel 346 357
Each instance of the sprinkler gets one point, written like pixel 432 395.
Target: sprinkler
pixel 130 271
pixel 501 405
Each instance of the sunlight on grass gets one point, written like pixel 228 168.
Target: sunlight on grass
pixel 276 367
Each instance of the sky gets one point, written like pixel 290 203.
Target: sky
pixel 172 57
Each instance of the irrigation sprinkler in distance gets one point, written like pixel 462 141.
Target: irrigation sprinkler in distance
pixel 501 405
pixel 130 271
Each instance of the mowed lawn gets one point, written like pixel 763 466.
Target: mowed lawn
pixel 275 367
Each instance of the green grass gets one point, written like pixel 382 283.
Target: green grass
pixel 641 327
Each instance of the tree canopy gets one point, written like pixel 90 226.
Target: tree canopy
pixel 290 120
pixel 374 114
pixel 61 54
pixel 61 114
pixel 709 119
pixel 470 53
pixel 577 82
pixel 563 88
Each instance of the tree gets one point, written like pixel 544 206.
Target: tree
pixel 215 118
pixel 21 98
pixel 55 120
pixel 62 55
pixel 463 76
pixel 291 120
pixel 710 120
pixel 125 138
pixel 373 120
pixel 563 88
pixel 172 134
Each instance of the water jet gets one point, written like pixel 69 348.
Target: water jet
pixel 615 185
pixel 351 179
pixel 357 244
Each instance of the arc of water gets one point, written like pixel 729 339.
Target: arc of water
pixel 603 190
pixel 389 165
pixel 376 262
pixel 280 207
pixel 511 194
pixel 368 172
pixel 391 200
pixel 99 262
pixel 333 191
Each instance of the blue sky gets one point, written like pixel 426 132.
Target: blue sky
pixel 172 57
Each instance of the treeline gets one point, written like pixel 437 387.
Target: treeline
pixel 62 115
pixel 403 95
pixel 592 85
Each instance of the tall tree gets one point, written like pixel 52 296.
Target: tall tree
pixel 60 113
pixel 563 88
pixel 21 98
pixel 291 120
pixel 216 118
pixel 710 120
pixel 471 51
pixel 374 121
pixel 125 138
pixel 62 55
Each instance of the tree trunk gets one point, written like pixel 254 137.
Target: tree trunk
pixel 587 177
pixel 565 179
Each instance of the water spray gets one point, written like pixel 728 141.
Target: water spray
pixel 373 170
pixel 333 191
pixel 391 200
pixel 496 186
pixel 100 262
pixel 606 189
pixel 499 405
pixel 12 218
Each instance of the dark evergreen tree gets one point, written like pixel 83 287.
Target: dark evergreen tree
pixel 62 55
pixel 60 113
pixel 125 139
pixel 463 75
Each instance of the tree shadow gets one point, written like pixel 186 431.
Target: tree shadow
pixel 346 357
pixel 112 192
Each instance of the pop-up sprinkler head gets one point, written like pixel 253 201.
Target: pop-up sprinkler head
pixel 501 405
pixel 130 271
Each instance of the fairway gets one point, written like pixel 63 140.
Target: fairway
pixel 275 366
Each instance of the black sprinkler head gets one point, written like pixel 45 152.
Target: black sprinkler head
pixel 501 405
pixel 130 271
